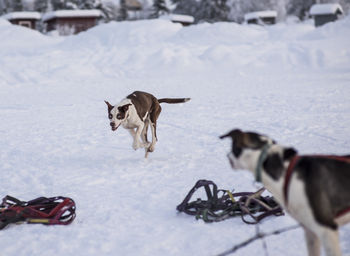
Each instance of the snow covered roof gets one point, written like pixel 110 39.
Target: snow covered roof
pixel 71 13
pixel 22 15
pixel 321 9
pixel 261 14
pixel 179 18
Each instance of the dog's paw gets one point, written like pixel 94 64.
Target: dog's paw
pixel 136 145
pixel 150 149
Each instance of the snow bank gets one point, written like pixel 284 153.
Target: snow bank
pixel 4 22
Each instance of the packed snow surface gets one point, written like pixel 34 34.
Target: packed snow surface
pixel 289 81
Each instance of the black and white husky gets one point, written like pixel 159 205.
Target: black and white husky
pixel 315 190
pixel 135 113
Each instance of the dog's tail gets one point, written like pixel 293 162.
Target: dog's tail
pixel 173 100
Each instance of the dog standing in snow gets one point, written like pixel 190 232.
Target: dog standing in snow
pixel 315 190
pixel 135 113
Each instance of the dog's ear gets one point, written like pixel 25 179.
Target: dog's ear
pixel 273 165
pixel 243 139
pixel 125 108
pixel 289 153
pixel 234 134
pixel 108 105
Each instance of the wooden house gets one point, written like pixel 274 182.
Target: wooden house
pixel 134 8
pixel 184 20
pixel 25 19
pixel 261 18
pixel 133 5
pixel 324 13
pixel 68 22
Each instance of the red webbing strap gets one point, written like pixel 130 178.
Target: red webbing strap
pixel 62 214
pixel 291 168
pixel 51 211
pixel 343 212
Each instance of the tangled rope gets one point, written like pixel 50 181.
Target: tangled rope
pixel 218 208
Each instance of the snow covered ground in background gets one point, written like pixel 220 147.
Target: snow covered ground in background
pixel 289 81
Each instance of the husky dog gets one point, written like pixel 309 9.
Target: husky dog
pixel 314 189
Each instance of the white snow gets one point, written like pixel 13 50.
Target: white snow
pixel 321 9
pixel 261 14
pixel 289 81
pixel 71 13
pixel 22 15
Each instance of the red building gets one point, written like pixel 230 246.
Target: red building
pixel 25 19
pixel 261 18
pixel 68 22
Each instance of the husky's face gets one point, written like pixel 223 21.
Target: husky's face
pixel 117 114
pixel 246 148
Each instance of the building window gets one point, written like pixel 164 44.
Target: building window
pixel 25 23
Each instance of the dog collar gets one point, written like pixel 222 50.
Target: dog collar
pixel 261 159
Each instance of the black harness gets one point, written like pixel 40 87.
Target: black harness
pixel 222 204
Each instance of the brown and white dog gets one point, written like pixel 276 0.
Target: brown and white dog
pixel 315 190
pixel 135 113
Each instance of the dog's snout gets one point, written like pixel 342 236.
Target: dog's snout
pixel 112 124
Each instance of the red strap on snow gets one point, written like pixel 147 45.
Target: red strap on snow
pixel 62 214
pixel 51 211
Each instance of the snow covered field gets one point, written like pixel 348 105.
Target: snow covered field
pixel 289 81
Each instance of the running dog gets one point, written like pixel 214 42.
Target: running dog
pixel 135 113
pixel 315 190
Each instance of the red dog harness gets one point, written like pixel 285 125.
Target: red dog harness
pixel 50 211
pixel 290 170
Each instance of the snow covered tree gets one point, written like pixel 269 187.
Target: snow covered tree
pixel 241 7
pixel 17 5
pixel 58 4
pixel 87 4
pixel 123 11
pixel 188 7
pixel 14 5
pixel 299 8
pixel 159 8
pixel 3 7
pixel 213 10
pixel 65 4
pixel 204 10
pixel 110 10
pixel 41 5
pixel 71 4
